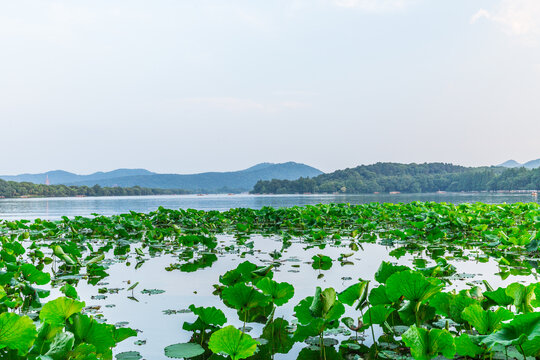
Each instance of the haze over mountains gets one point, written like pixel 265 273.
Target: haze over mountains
pixel 533 164
pixel 233 181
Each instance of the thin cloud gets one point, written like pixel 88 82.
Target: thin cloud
pixel 515 17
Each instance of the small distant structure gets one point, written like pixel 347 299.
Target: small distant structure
pixel 47 182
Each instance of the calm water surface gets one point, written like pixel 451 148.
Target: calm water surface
pixel 54 208
pixel 157 330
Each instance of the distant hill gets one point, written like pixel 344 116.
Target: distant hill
pixel 533 164
pixel 58 177
pixel 510 164
pixel 408 178
pixel 233 181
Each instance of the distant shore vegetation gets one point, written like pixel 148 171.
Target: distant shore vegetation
pixel 13 189
pixel 407 178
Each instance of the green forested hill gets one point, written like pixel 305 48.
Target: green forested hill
pixel 410 178
pixel 9 189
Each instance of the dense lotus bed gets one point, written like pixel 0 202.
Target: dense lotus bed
pixel 388 281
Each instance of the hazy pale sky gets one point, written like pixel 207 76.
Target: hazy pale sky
pixel 200 85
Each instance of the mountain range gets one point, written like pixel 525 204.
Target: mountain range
pixel 533 164
pixel 232 181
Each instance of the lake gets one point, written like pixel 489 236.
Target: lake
pixel 144 271
pixel 55 208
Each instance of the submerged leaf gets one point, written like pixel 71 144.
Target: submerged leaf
pixel 183 350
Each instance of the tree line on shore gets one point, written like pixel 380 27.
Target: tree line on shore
pixel 11 189
pixel 407 178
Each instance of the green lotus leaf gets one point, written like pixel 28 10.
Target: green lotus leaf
pixel 279 293
pixel 499 297
pixel 377 296
pixel 357 292
pixel 183 350
pixel 451 305
pixel 387 269
pixel 57 311
pixel 415 313
pixel 314 328
pixel 426 345
pixel 350 323
pixel 69 291
pixel 208 318
pixel 328 300
pixel 523 296
pixel 323 305
pixel 485 321
pixel 321 262
pixel 33 275
pixel 302 311
pixel 121 334
pixel 59 252
pixel 84 352
pixel 243 297
pixel 17 332
pixel 232 342
pixel 242 274
pixel 316 306
pixel 61 345
pixel 262 271
pixel 523 331
pixel 377 314
pixel 465 346
pixel 88 330
pixel 411 285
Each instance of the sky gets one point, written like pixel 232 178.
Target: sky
pixel 179 86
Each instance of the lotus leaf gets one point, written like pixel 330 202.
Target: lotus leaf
pixel 411 285
pixel 57 311
pixel 232 342
pixel 279 293
pixel 485 321
pixel 387 269
pixel 427 344
pixel 17 332
pixel 523 332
